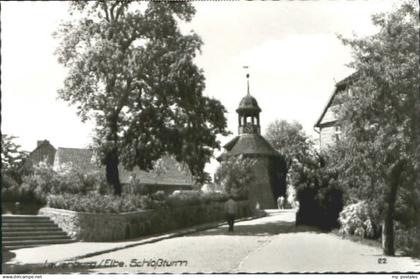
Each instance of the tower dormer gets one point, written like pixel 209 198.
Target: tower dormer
pixel 248 114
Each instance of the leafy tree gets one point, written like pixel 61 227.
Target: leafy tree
pixel 45 181
pixel 234 175
pixel 12 158
pixel 379 157
pixel 131 69
pixel 289 139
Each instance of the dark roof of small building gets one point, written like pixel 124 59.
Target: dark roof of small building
pixel 79 158
pixel 339 86
pixel 171 176
pixel 82 159
pixel 43 143
pixel 248 103
pixel 248 144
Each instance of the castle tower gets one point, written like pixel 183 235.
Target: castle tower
pixel 269 165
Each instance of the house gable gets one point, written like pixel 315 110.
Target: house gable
pixel 328 116
pixel 329 131
pixel 43 152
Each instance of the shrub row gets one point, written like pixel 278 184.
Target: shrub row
pixel 186 198
pixel 97 203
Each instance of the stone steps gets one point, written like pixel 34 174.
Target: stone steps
pixel 16 217
pixel 25 220
pixel 22 231
pixel 35 243
pixel 29 228
pixel 33 233
pixel 27 224
pixel 34 237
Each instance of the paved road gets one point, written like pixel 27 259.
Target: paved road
pixel 269 244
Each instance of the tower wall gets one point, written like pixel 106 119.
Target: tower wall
pixel 260 191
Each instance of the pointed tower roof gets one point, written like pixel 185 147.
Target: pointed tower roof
pixel 248 103
pixel 249 144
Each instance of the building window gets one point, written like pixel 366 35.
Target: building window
pixel 350 92
pixel 337 133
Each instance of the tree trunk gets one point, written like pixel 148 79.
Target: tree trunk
pixel 388 223
pixel 388 235
pixel 112 174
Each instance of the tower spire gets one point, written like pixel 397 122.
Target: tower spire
pixel 247 79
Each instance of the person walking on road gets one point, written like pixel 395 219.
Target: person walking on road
pixel 231 211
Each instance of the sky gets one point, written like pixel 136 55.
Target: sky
pixel 291 48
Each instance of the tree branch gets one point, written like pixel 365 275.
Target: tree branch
pixel 105 8
pixel 120 9
pixel 114 5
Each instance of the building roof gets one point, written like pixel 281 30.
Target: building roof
pixel 40 153
pixel 248 144
pixel 171 176
pixel 77 157
pixel 248 104
pixel 339 86
pixel 83 160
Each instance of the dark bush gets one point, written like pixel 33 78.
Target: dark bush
pixel 408 240
pixel 9 188
pixel 319 195
pixel 25 208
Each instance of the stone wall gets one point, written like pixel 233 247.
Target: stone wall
pixel 112 227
